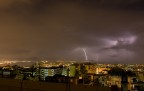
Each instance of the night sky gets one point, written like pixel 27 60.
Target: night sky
pixel 111 31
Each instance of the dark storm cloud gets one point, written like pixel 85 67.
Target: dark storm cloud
pixel 117 3
pixel 9 3
pixel 54 29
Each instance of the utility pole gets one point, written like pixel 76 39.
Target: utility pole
pixel 68 81
pixel 22 85
pixel 97 81
pixel 39 71
pixel 97 59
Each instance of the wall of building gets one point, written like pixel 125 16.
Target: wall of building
pixel 116 80
pixel 15 85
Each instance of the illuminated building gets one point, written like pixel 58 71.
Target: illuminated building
pixel 54 71
pixel 71 73
pixel 49 72
pixel 44 73
pixel 95 69
pixel 6 73
pixel 116 80
pixel 91 69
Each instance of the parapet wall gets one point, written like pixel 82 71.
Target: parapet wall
pixel 43 86
pixel 19 85
pixel 10 85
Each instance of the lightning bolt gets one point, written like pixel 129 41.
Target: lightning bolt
pixel 85 54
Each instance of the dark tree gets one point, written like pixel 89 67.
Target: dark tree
pixel 117 72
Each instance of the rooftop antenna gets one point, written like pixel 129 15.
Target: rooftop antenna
pixel 97 58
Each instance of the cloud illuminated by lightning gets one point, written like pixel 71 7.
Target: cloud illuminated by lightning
pixel 120 41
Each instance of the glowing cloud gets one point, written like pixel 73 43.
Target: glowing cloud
pixel 128 40
pixel 119 41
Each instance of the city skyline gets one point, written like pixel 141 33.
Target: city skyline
pixel 53 29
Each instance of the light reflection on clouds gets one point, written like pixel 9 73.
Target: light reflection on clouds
pixel 111 49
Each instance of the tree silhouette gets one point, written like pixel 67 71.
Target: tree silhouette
pixel 116 71
pixel 83 71
pixel 130 73
pixel 32 69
